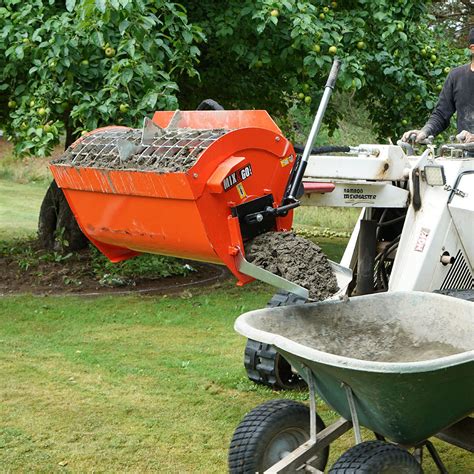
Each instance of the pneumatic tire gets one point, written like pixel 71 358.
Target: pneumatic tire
pixel 268 433
pixel 376 457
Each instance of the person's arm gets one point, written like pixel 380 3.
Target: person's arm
pixel 443 111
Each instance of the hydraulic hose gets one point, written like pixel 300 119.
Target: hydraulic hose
pixel 321 150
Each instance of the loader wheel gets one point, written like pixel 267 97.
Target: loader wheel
pixel 209 104
pixel 376 457
pixel 268 433
pixel 57 226
pixel 264 365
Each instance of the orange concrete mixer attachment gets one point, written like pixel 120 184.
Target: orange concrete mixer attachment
pixel 184 186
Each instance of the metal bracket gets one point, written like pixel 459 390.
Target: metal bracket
pixel 150 131
pixel 259 273
pixel 312 404
pixel 174 120
pixel 455 191
pixel 126 149
pixel 306 452
pixel 355 418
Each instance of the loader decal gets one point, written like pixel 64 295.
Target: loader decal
pixel 354 195
pixel 233 179
pixel 422 238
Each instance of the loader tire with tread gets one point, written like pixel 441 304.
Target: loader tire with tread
pixel 57 226
pixel 376 457
pixel 264 365
pixel 268 433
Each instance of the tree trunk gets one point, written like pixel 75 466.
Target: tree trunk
pixel 57 226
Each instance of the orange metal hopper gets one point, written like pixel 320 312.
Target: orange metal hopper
pixel 226 163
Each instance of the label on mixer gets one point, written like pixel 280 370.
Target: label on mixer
pixel 233 179
pixel 241 191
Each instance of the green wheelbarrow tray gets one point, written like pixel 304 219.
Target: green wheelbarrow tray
pixel 408 357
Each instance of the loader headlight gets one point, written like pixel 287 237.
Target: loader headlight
pixel 434 175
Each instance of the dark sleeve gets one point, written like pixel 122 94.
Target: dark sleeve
pixel 443 111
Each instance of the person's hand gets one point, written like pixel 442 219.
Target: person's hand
pixel 465 137
pixel 420 136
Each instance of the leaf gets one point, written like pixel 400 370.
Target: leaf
pixel 153 97
pixel 429 104
pixel 97 39
pixel 19 52
pixel 100 5
pixel 70 4
pixel 188 37
pixel 389 70
pixel 123 26
pixel 126 76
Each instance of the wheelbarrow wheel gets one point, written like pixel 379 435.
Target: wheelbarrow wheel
pixel 376 457
pixel 268 433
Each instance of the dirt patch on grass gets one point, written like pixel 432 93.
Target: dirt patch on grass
pixel 296 259
pixel 174 151
pixel 28 269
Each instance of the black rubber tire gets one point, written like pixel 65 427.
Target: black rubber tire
pixel 264 365
pixel 56 217
pixel 209 104
pixel 284 422
pixel 376 457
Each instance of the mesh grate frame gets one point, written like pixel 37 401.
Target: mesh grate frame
pixel 177 150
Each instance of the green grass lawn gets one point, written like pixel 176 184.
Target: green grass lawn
pixel 132 383
pixel 129 383
pixel 19 208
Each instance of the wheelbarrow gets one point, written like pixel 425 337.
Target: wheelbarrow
pixel 400 364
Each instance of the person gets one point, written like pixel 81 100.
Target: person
pixel 457 96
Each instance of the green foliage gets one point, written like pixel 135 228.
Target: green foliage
pixel 122 273
pixel 77 65
pixel 89 63
pixel 392 61
pixel 29 257
pixel 354 128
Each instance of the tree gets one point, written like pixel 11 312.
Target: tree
pixel 74 67
pixel 69 68
pixel 455 17
pixel 278 51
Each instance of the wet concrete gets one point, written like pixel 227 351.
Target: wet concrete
pixel 356 336
pixel 296 259
pixel 176 150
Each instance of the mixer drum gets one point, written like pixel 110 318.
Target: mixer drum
pixel 179 190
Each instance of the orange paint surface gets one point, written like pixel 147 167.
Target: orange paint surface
pixel 187 215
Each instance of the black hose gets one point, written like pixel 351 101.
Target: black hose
pixel 320 150
pixel 380 258
pixel 393 221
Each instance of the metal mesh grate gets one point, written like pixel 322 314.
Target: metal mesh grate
pixel 175 151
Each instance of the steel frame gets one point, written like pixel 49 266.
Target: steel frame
pixel 460 434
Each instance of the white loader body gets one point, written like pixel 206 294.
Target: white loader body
pixel 435 250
